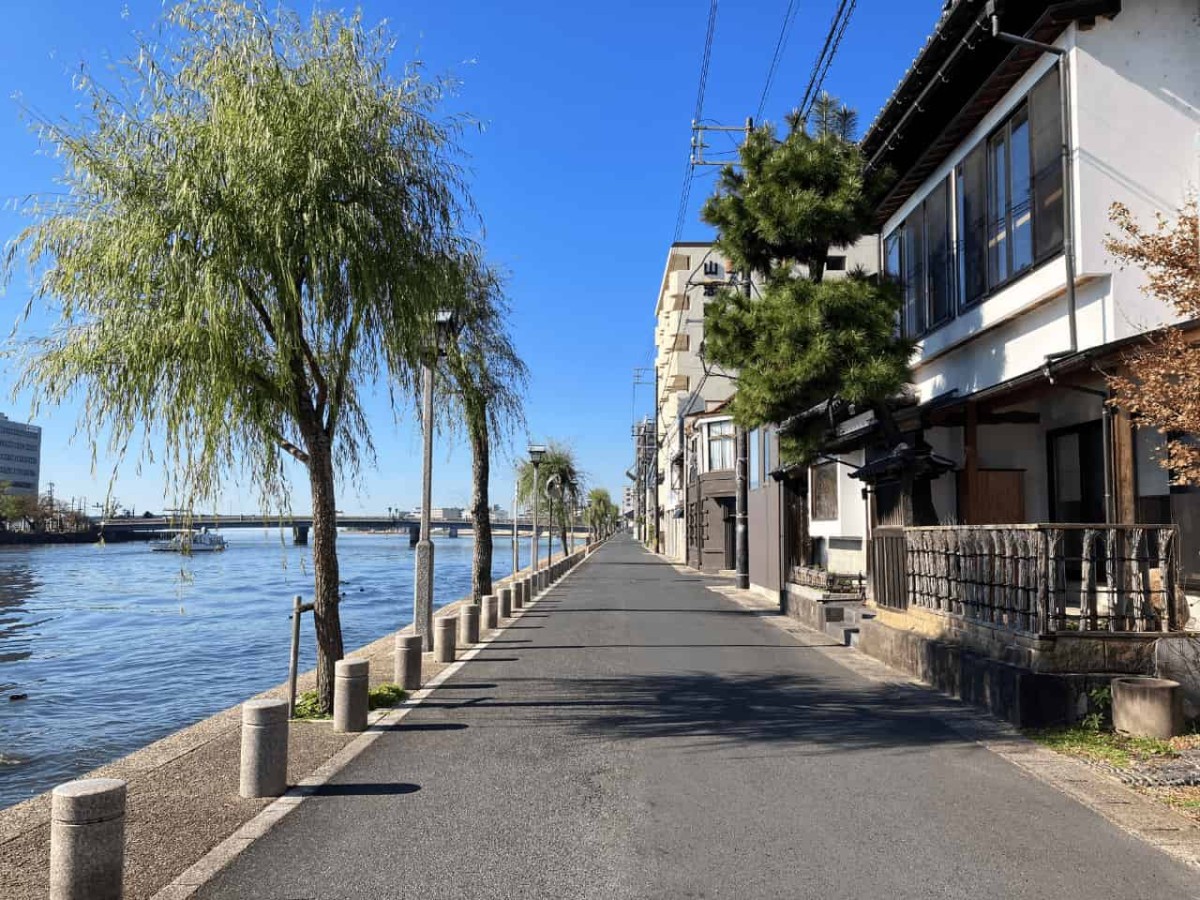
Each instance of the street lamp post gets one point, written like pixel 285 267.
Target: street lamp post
pixel 536 452
pixel 444 332
pixel 553 482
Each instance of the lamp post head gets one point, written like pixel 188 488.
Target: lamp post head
pixel 536 452
pixel 446 329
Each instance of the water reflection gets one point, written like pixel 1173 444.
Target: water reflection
pixel 116 646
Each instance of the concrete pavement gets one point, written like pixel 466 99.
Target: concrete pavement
pixel 636 735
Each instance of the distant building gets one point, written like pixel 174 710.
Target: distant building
pixel 444 513
pixel 20 456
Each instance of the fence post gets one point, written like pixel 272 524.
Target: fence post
pixel 294 660
pixel 468 624
pixel 87 840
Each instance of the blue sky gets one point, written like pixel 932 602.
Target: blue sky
pixel 577 174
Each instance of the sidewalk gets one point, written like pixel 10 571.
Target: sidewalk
pixel 638 735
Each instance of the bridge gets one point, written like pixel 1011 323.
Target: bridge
pixel 126 528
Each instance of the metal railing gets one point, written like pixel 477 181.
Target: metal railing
pixel 1037 578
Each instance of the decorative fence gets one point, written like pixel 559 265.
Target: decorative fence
pixel 1037 579
pixel 824 580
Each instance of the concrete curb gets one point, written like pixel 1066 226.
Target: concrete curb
pixel 205 869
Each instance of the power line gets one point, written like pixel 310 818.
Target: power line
pixel 833 40
pixel 685 193
pixel 784 30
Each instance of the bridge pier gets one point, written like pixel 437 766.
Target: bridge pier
pixel 300 535
pixel 414 535
pixel 453 531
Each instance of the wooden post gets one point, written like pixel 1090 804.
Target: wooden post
pixel 295 657
pixel 971 513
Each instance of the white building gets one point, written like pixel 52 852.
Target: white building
pixel 686 383
pixel 20 456
pixel 1008 382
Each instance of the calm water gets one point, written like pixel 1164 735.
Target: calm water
pixel 117 646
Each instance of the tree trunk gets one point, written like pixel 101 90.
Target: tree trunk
pixel 325 567
pixel 481 562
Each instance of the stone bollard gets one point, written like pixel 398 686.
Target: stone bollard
pixel 443 638
pixel 408 661
pixel 468 624
pixel 490 611
pixel 351 684
pixel 505 602
pixel 87 839
pixel 264 748
pixel 518 597
pixel 1147 707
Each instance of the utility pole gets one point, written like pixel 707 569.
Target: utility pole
pixel 657 477
pixel 742 497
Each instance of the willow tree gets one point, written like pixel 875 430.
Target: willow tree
pixel 486 380
pixel 558 487
pixel 254 223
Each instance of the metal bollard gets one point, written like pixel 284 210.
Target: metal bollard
pixel 87 840
pixel 350 687
pixel 505 600
pixel 264 748
pixel 468 624
pixel 408 661
pixel 490 612
pixel 443 638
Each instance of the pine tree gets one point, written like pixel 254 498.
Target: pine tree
pixel 800 342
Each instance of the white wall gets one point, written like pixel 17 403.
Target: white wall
pixel 852 509
pixel 1136 133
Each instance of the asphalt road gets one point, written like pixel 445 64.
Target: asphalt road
pixel 638 736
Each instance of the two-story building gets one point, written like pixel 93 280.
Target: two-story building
pixel 1013 132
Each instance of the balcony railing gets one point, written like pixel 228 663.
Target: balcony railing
pixel 1037 579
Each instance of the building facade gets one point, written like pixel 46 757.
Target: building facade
pixel 687 386
pixel 20 456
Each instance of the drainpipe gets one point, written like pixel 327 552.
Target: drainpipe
pixel 1064 99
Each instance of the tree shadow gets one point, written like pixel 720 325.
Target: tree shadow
pixel 812 715
pixel 435 726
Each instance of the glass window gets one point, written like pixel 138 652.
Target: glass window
pixel 938 261
pixel 914 273
pixel 720 446
pixel 754 476
pixel 1020 212
pixel 1045 119
pixel 998 207
pixel 824 491
pixel 972 229
pixel 768 453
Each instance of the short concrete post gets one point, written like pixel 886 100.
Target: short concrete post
pixel 264 748
pixel 468 624
pixel 505 600
pixel 1147 707
pixel 443 638
pixel 87 840
pixel 408 661
pixel 351 685
pixel 518 597
pixel 490 612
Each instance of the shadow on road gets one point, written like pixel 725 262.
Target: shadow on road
pixel 815 715
pixel 352 789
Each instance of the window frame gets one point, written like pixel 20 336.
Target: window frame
pixel 726 442
pixel 953 182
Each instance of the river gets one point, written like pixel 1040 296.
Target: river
pixel 114 646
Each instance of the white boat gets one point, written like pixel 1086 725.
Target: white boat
pixel 191 541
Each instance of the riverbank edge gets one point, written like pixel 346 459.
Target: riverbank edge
pixel 183 798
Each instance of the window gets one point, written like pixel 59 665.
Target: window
pixel 835 264
pixel 824 491
pixel 1006 216
pixel 768 454
pixel 754 459
pixel 720 446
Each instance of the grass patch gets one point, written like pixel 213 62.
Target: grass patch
pixel 385 695
pixel 1120 750
pixel 377 698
